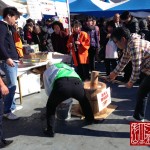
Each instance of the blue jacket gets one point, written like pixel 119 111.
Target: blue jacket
pixel 7 45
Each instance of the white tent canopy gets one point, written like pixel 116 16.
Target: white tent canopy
pixel 5 3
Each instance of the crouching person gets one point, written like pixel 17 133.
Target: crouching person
pixel 62 82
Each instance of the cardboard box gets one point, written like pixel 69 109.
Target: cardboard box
pixel 27 89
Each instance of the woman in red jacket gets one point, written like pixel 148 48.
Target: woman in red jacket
pixel 78 45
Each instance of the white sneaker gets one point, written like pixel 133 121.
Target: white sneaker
pixel 11 116
pixel 132 119
pixel 19 107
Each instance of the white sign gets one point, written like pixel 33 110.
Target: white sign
pixel 104 99
pixel 47 7
pixel 34 9
pixel 61 9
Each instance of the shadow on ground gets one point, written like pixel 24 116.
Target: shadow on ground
pixel 34 125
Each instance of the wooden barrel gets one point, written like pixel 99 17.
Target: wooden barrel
pixel 91 93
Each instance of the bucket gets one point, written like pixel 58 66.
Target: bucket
pixel 63 110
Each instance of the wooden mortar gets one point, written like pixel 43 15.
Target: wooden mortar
pixel 92 88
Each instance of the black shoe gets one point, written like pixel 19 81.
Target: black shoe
pixel 5 143
pixel 49 132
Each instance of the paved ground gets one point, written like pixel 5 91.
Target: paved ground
pixel 113 133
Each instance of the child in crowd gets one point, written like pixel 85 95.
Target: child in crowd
pixel 111 54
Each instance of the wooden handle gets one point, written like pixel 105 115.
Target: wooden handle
pixel 113 81
pixel 94 79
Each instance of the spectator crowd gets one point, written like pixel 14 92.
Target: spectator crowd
pixel 122 43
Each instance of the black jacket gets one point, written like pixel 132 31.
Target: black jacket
pixel 7 45
pixel 145 34
pixel 133 25
pixel 59 42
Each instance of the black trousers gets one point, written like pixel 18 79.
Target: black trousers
pixel 142 98
pixel 110 64
pixel 92 53
pixel 128 71
pixel 63 89
pixel 83 71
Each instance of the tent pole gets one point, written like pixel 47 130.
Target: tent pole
pixel 69 22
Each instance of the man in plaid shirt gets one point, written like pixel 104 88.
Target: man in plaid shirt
pixel 138 51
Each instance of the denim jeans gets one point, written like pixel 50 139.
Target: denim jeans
pixel 11 78
pixel 1 118
pixel 142 97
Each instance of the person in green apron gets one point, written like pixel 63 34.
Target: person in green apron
pixel 61 82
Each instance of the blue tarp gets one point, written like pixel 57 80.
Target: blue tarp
pixel 91 7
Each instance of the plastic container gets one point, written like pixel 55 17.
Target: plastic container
pixel 32 60
pixel 63 110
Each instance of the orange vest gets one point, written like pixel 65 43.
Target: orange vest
pixel 84 39
pixel 18 44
